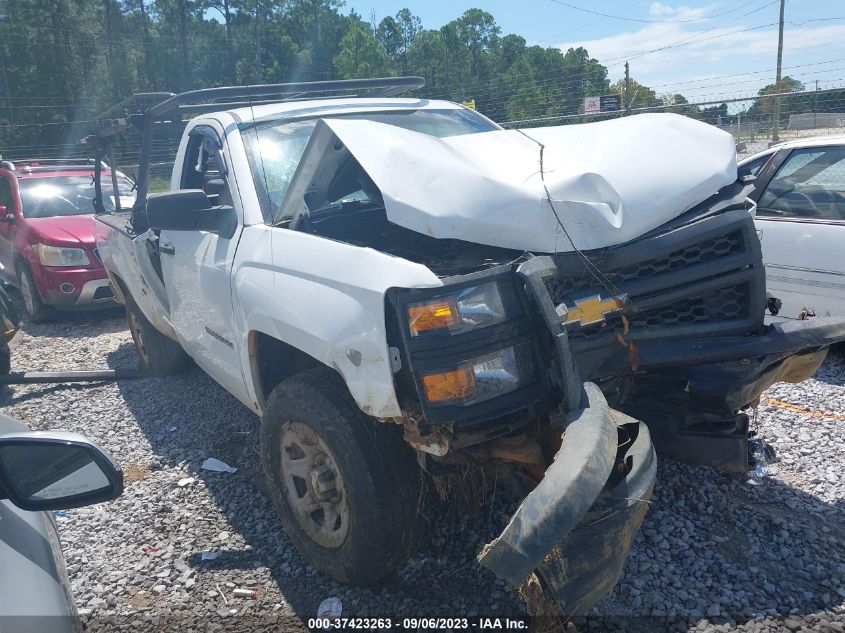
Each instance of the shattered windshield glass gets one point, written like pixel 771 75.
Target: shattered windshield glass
pixel 274 148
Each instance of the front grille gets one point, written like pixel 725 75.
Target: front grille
pixel 706 275
pixel 730 303
pixel 723 304
pixel 568 289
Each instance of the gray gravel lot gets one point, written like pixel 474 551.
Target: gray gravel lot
pixel 717 551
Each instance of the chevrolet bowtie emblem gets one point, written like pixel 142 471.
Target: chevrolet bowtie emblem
pixel 593 309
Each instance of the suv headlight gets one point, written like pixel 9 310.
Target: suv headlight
pixel 60 256
pixel 482 377
pixel 465 309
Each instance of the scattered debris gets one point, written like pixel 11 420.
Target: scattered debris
pixel 150 550
pixel 245 593
pixel 222 595
pixel 170 429
pixel 413 566
pixel 135 472
pixel 185 481
pixel 225 612
pixel 61 513
pixel 209 555
pixel 215 465
pixel 330 608
pixel 761 455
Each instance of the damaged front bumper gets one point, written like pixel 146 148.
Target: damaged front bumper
pixel 575 528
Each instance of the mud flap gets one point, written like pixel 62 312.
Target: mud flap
pixel 572 529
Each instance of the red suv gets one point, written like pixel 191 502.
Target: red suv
pixel 47 244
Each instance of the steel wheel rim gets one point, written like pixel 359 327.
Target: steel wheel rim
pixel 313 485
pixel 26 293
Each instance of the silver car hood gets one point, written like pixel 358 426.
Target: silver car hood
pixel 546 189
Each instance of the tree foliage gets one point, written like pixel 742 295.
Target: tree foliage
pixel 62 61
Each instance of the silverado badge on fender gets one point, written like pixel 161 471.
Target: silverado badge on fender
pixel 590 310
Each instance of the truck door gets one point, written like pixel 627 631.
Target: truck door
pixel 801 223
pixel 196 265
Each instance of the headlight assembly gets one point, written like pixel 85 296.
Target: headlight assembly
pixel 59 256
pixel 481 378
pixel 465 309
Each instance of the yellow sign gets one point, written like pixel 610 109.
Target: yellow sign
pixel 593 309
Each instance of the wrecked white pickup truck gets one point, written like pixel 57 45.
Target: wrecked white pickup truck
pixel 403 290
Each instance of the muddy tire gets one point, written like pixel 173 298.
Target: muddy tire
pixel 159 355
pixel 36 309
pixel 345 486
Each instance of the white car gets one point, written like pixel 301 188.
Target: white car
pixel 800 196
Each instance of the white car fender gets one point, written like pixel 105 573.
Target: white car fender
pixel 326 299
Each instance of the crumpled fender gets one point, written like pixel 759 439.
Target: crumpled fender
pixel 572 483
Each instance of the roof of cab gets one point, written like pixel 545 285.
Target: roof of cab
pixel 319 107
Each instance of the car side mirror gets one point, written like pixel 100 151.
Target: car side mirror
pixel 189 210
pixel 56 470
pixel 6 215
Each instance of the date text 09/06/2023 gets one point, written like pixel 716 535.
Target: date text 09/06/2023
pixel 418 624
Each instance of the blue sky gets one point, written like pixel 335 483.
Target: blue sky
pixel 718 49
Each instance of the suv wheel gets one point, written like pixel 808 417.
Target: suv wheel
pixel 159 354
pixel 345 486
pixel 36 309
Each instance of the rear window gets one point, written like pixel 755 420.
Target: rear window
pixel 70 195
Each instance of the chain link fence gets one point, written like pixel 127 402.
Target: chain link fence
pixel 750 119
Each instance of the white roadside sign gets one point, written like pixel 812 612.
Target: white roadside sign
pixel 592 104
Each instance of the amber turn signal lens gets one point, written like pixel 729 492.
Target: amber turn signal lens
pixel 450 385
pixel 433 315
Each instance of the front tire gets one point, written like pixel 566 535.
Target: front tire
pixel 159 355
pixel 36 309
pixel 345 486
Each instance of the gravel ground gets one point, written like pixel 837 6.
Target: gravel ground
pixel 716 552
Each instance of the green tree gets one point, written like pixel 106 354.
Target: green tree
pixel 639 96
pixel 361 54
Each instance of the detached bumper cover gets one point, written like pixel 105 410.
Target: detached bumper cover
pixel 571 529
pixel 589 560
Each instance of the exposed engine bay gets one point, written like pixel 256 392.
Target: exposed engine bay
pixel 365 223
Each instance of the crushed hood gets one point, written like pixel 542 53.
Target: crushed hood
pixel 609 182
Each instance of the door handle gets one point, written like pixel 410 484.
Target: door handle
pixel 167 249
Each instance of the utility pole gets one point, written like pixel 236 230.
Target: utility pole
pixel 776 122
pixel 626 107
pixel 816 106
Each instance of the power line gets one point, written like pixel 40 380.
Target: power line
pixel 645 21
